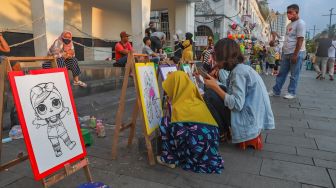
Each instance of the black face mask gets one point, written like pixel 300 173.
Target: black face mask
pixel 66 41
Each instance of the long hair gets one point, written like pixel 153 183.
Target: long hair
pixel 227 51
pixel 189 37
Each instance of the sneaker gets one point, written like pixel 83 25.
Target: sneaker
pixel 158 159
pixel 289 96
pixel 318 76
pixel 272 94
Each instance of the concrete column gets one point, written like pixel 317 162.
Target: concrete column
pixel 172 18
pixel 52 23
pixel 140 11
pixel 86 14
pixel 185 16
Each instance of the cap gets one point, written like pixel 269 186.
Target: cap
pixel 124 34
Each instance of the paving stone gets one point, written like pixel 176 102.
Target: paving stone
pixel 317 154
pixel 296 172
pixel 7 178
pixel 332 174
pixel 241 163
pixel 279 148
pixel 291 141
pixel 313 133
pixel 290 123
pixel 310 186
pixel 285 157
pixel 326 143
pixel 322 125
pixel 325 163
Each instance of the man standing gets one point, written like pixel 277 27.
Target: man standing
pixel 323 45
pixel 332 58
pixel 151 29
pixel 293 53
pixel 122 49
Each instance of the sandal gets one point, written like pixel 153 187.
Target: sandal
pixel 158 159
pixel 80 83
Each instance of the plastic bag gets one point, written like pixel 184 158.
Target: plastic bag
pixel 16 132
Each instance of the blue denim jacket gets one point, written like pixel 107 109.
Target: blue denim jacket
pixel 250 106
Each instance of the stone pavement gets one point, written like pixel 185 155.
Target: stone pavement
pixel 300 153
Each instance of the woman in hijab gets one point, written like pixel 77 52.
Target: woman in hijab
pixel 63 50
pixel 189 134
pixel 187 46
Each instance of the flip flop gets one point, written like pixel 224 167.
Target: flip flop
pixel 80 83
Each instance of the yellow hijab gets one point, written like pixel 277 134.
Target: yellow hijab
pixel 187 103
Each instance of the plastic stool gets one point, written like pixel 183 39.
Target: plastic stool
pixel 256 143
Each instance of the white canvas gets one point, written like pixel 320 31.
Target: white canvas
pixel 150 96
pixel 42 134
pixel 166 70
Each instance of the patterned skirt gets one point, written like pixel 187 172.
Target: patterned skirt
pixel 191 146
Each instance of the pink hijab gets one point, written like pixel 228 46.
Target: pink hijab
pixel 66 35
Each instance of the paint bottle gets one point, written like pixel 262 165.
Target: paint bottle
pixel 100 129
pixel 93 123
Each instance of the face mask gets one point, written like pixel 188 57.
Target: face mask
pixel 66 41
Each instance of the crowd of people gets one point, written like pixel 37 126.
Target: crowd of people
pixel 235 106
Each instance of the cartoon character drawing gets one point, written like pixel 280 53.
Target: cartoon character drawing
pixel 49 109
pixel 153 102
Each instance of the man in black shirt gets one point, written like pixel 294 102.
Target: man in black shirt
pixel 151 29
pixel 323 45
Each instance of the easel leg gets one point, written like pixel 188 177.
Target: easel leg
pixel 3 69
pixel 134 118
pixel 88 173
pixel 115 141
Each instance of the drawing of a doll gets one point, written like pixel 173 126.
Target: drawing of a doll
pixel 49 110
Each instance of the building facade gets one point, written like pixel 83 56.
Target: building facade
pixel 279 24
pixel 216 17
pixel 95 24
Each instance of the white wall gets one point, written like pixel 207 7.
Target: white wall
pixel 16 13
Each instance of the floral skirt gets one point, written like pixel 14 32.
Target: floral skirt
pixel 191 146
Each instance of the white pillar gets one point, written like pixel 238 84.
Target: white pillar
pixel 172 20
pixel 140 10
pixel 51 24
pixel 86 14
pixel 185 16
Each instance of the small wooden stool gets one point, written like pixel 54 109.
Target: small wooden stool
pixel 256 143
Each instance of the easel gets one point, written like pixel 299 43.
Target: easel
pixel 32 62
pixel 120 126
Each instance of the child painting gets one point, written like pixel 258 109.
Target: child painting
pixel 49 109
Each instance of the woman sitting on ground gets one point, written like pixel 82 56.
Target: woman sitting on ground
pixel 190 134
pixel 246 98
pixel 63 50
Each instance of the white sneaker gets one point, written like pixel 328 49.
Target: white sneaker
pixel 289 96
pixel 272 94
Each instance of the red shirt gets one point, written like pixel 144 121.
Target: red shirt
pixel 120 47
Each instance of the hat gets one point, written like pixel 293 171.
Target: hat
pixel 124 34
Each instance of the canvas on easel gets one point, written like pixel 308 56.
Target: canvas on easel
pixel 147 104
pixel 48 118
pixel 165 69
pixel 149 95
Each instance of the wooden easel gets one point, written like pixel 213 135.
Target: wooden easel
pixel 120 126
pixel 31 62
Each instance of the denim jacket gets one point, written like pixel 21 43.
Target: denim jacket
pixel 250 106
